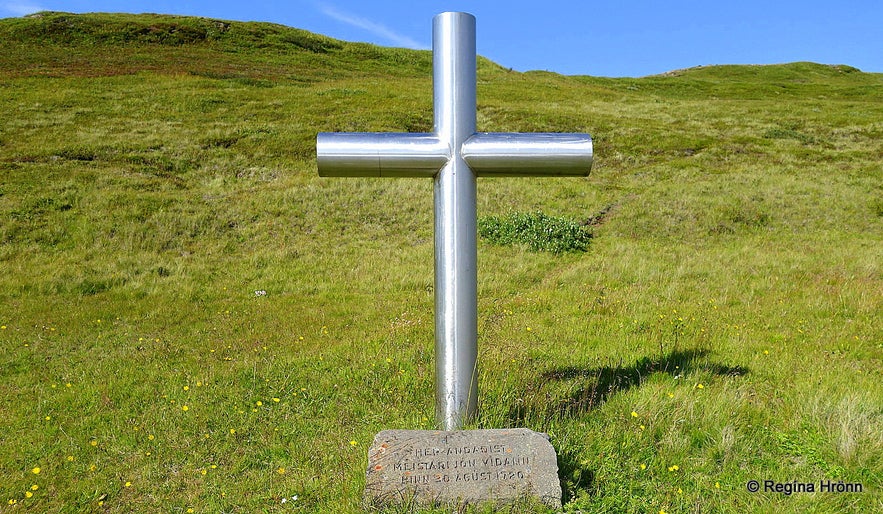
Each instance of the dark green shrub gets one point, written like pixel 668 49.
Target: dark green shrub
pixel 538 231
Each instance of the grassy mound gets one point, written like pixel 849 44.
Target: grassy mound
pixel 190 318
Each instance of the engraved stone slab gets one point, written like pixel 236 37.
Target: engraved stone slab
pixel 462 466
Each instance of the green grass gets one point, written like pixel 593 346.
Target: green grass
pixel 157 171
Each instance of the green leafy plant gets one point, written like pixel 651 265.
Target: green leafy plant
pixel 538 231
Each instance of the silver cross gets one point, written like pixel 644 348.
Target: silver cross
pixel 453 155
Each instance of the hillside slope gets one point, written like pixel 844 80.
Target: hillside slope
pixel 190 318
pixel 63 44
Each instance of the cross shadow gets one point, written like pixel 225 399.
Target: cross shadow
pixel 571 391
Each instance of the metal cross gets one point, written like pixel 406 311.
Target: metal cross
pixel 453 155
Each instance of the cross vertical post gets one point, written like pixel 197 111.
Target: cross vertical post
pixel 454 155
pixel 456 250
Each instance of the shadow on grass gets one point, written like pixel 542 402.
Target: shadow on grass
pixel 569 392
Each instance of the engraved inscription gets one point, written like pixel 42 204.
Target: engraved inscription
pixel 448 470
pixel 462 466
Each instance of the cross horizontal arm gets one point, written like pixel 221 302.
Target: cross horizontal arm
pixel 496 154
pixel 364 154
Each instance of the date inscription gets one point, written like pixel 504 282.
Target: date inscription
pixel 462 466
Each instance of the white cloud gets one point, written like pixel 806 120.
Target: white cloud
pixel 19 8
pixel 373 27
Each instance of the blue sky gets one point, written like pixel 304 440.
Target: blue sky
pixel 613 38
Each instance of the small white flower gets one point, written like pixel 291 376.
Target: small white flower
pixel 260 292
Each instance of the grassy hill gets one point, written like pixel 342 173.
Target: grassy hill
pixel 723 326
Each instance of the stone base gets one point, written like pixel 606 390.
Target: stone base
pixel 462 467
